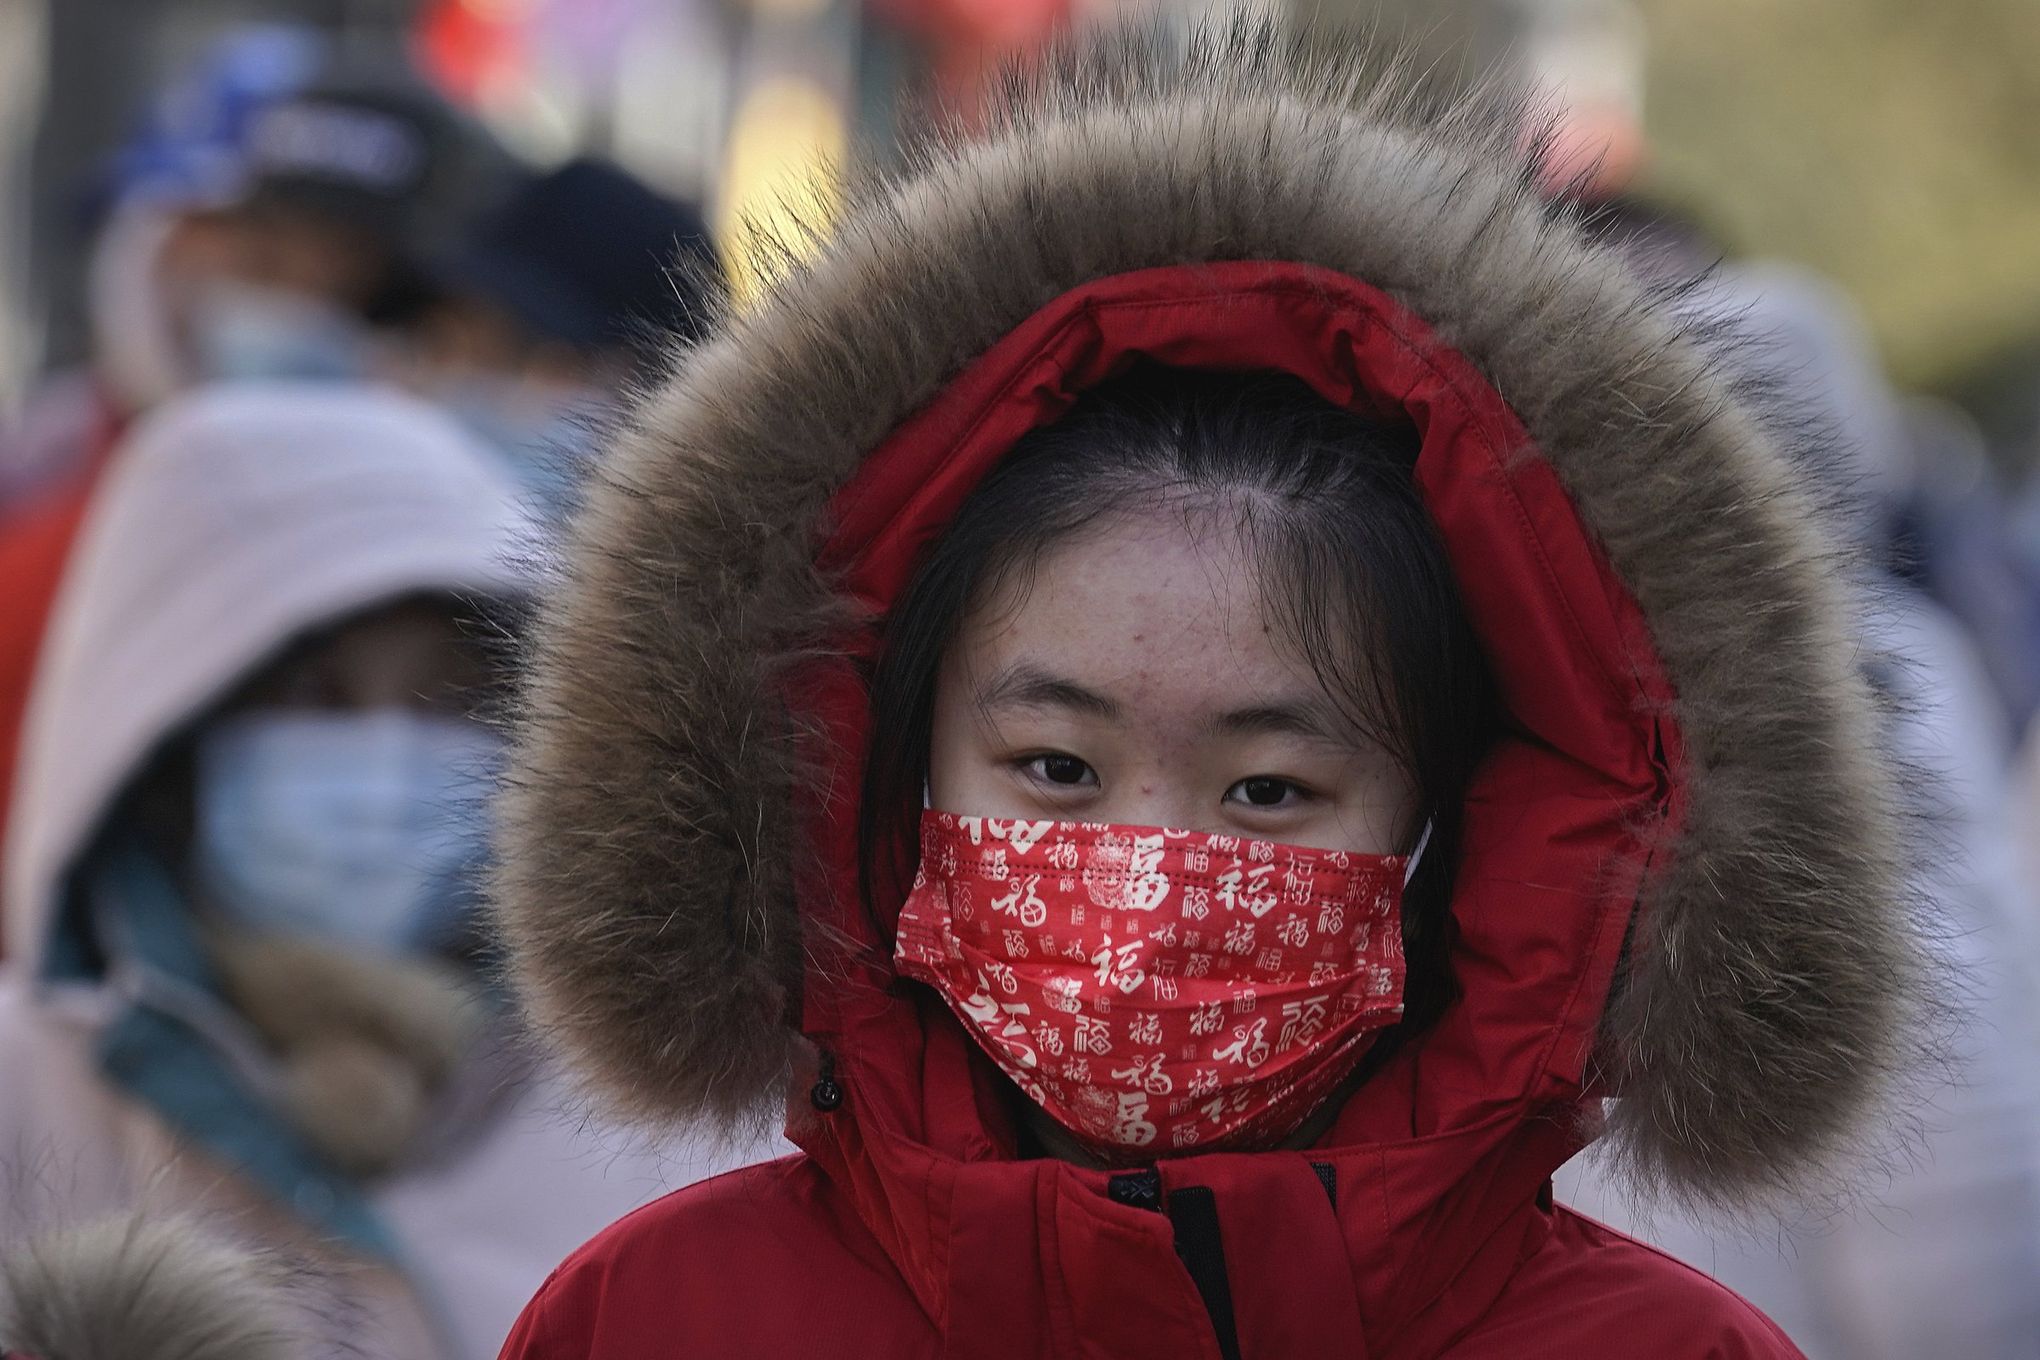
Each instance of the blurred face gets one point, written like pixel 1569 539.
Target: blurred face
pixel 342 796
pixel 274 248
pixel 533 400
pixel 463 338
pixel 182 298
pixel 1134 677
pixel 412 655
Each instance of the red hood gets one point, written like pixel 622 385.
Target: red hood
pixel 1439 1157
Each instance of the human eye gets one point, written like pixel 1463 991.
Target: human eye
pixel 1058 770
pixel 1267 793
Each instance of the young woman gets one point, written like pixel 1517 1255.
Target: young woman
pixel 1194 691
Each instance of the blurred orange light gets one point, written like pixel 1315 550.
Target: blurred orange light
pixel 500 11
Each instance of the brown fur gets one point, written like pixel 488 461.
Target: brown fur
pixel 648 853
pixel 132 1288
pixel 364 1042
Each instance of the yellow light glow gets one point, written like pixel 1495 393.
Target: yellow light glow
pixel 785 151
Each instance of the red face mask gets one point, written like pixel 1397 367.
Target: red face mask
pixel 1157 990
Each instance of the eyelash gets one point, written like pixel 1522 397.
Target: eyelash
pixel 1035 767
pixel 1289 786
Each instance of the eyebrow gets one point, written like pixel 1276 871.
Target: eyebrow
pixel 1296 717
pixel 1022 685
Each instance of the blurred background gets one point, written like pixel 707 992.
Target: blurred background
pixel 432 244
pixel 1887 144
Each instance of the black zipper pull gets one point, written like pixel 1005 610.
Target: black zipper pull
pixel 826 1095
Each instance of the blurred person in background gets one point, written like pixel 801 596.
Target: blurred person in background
pixel 189 155
pixel 343 190
pixel 186 156
pixel 550 305
pixel 243 974
pixel 1973 543
pixel 362 231
pixel 265 224
pixel 275 209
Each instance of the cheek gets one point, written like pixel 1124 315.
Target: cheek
pixel 1387 806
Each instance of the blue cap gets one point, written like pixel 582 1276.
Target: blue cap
pixel 192 145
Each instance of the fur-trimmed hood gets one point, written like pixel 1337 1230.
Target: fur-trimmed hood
pixel 1683 876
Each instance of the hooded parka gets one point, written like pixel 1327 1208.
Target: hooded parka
pixel 1677 881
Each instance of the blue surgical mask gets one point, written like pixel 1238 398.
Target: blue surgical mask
pixel 353 828
pixel 544 438
pixel 246 332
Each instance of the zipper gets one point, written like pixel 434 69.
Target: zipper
pixel 1200 1245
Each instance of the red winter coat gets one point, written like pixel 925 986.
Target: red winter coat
pixel 1675 884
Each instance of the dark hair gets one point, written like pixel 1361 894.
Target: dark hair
pixel 1351 566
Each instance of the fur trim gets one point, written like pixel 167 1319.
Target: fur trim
pixel 131 1288
pixel 646 883
pixel 365 1041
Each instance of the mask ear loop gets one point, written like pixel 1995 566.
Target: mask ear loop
pixel 1417 855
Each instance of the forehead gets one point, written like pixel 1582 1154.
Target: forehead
pixel 1161 609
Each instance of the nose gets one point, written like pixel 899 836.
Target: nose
pixel 1158 799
